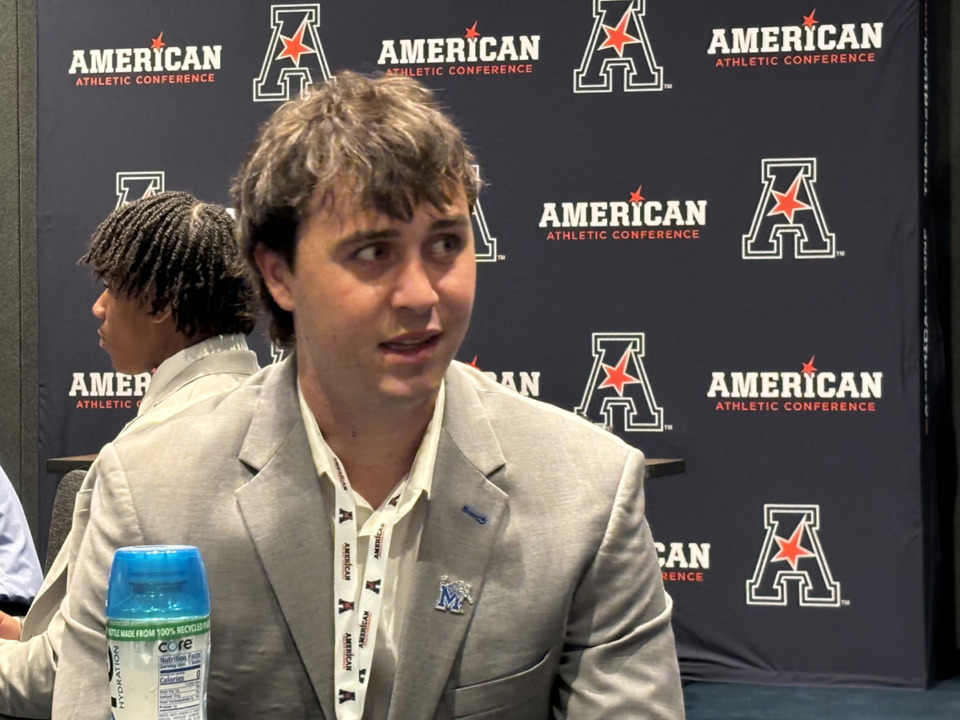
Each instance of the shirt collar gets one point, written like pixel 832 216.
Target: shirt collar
pixel 421 472
pixel 178 362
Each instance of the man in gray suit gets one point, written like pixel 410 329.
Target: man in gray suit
pixel 387 533
pixel 176 300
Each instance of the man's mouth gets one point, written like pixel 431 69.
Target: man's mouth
pixel 411 342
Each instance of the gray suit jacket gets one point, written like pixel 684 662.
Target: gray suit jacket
pixel 570 618
pixel 28 667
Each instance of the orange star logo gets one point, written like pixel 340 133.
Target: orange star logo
pixel 294 47
pixel 808 20
pixel 787 203
pixel 808 368
pixel 618 376
pixel 791 550
pixel 157 42
pixel 635 197
pixel 472 31
pixel 618 36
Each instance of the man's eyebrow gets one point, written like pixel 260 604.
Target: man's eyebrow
pixel 362 236
pixel 449 222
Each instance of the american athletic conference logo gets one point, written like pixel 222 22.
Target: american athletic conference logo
pixel 792 555
pixel 811 42
pixel 485 243
pixel 528 383
pixel 809 389
pixel 159 64
pixel 618 42
pixel 294 58
pixel 132 186
pixel 683 562
pixel 618 395
pixel 636 219
pixel 473 54
pixel 789 212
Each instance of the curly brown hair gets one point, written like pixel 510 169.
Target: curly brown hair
pixel 382 140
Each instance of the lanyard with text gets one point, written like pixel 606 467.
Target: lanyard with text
pixel 357 601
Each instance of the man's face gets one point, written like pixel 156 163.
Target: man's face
pixel 380 305
pixel 128 332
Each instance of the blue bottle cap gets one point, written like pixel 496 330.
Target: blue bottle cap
pixel 157 581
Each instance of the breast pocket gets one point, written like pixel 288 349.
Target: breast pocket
pixel 81 507
pixel 519 696
pixel 81 514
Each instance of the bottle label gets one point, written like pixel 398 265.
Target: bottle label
pixel 158 670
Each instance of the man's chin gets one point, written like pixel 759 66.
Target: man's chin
pixel 128 369
pixel 412 391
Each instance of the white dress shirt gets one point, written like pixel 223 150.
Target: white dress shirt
pixel 163 400
pixel 414 488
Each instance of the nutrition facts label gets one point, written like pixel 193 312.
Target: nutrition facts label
pixel 180 685
pixel 157 672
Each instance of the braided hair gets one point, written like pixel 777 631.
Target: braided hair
pixel 173 251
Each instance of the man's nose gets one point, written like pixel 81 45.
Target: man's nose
pixel 100 306
pixel 414 288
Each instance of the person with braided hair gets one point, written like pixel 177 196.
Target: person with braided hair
pixel 177 301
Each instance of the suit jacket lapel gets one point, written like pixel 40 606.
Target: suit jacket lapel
pixel 461 529
pixel 284 500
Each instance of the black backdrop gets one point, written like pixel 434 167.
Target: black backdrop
pixel 702 227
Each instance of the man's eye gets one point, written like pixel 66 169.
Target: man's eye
pixel 447 245
pixel 371 253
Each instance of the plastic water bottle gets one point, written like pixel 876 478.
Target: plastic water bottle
pixel 158 633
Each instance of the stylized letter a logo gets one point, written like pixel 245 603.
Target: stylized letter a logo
pixel 294 59
pixel 486 244
pixel 792 553
pixel 618 41
pixel 618 386
pixel 789 209
pixel 135 185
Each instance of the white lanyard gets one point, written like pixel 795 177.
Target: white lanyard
pixel 357 603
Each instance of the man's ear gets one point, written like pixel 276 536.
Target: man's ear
pixel 276 274
pixel 161 316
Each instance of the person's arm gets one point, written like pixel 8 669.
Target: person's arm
pixel 10 627
pixel 619 658
pixel 28 667
pixel 82 689
pixel 27 672
pixel 20 572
